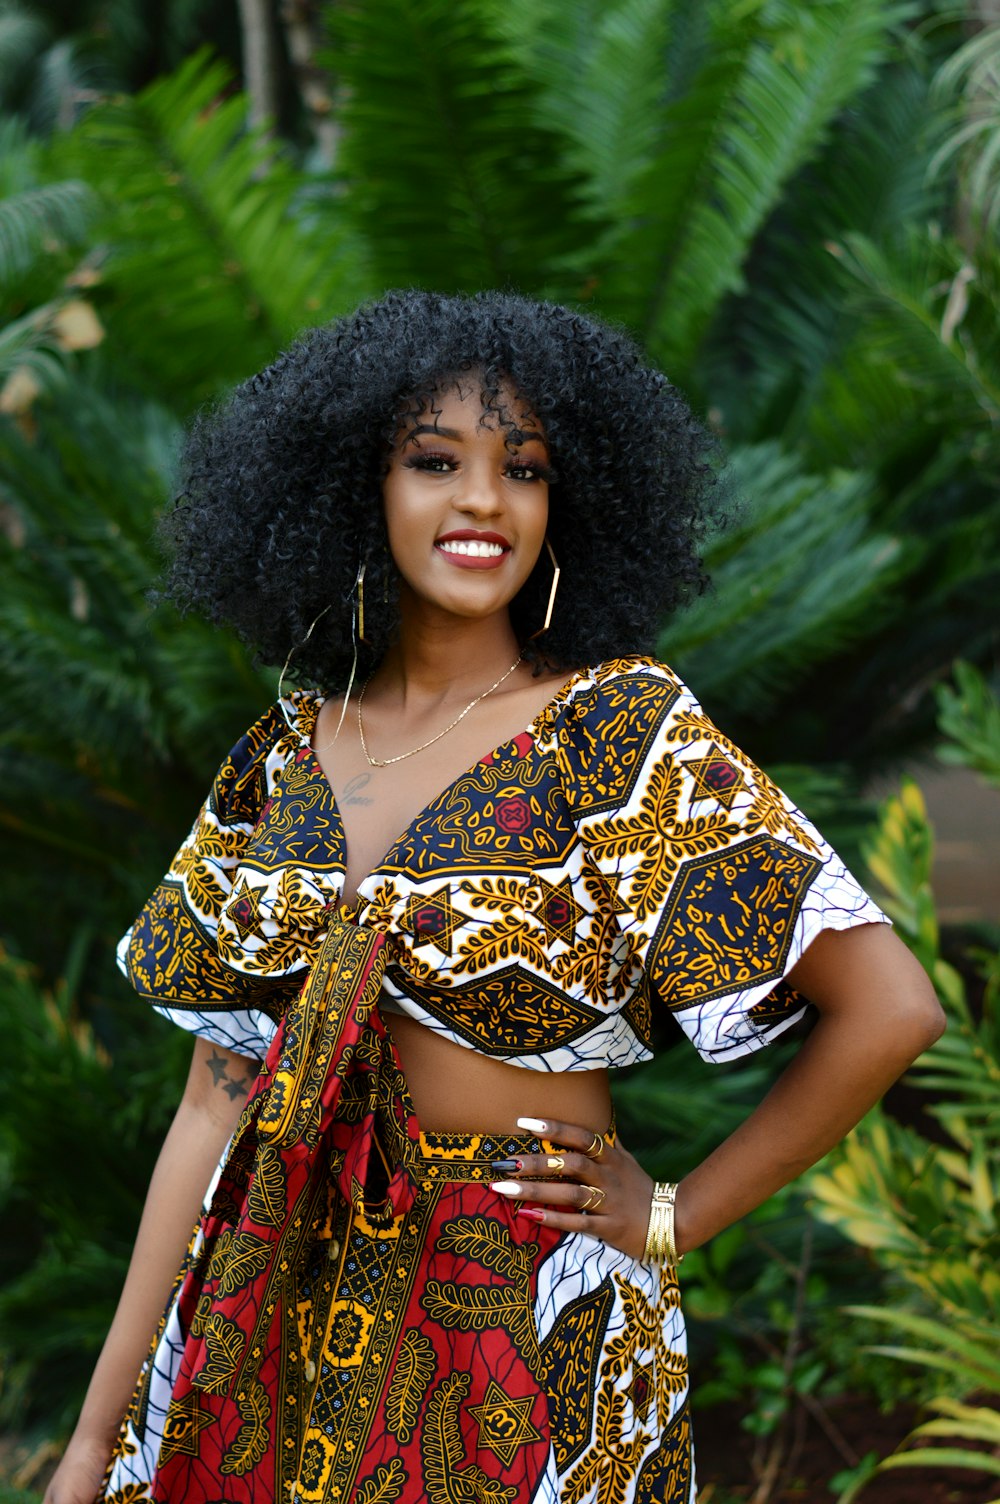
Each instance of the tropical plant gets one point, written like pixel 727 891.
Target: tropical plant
pixel 930 1211
pixel 764 192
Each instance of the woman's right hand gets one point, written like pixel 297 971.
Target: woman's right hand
pixel 80 1474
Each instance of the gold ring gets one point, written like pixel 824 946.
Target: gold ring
pixel 556 1162
pixel 596 1150
pixel 590 1205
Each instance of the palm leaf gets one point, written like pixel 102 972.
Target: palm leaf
pixel 761 109
pixel 239 273
pixel 803 569
pixel 768 349
pixel 449 179
pixel 598 72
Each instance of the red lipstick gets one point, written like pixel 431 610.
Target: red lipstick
pixel 495 548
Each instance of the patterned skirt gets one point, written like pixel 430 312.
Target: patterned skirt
pixel 459 1355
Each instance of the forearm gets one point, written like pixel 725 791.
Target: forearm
pixel 189 1155
pixel 853 1055
pixel 202 1126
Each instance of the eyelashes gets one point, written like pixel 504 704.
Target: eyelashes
pixel 533 471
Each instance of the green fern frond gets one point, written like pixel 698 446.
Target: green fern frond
pixel 599 85
pixel 969 80
pixel 764 107
pixel 209 271
pixel 768 352
pixel 452 183
pixel 52 211
pixel 802 570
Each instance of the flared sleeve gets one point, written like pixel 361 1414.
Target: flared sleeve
pixel 171 952
pixel 718 882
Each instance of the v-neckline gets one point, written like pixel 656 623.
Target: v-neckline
pixel 318 701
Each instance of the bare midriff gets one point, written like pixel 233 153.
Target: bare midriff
pixel 457 1090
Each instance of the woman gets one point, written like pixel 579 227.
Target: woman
pixel 426 1269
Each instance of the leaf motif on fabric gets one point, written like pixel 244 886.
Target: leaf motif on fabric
pixel 267 1196
pixel 472 1308
pixel 481 1308
pixel 253 1436
pixel 445 1481
pixel 490 1244
pixel 224 1345
pixel 506 939
pixel 411 1376
pixel 614 1462
pixel 385 1486
pixel 501 893
pixel 248 1256
pixel 441 1438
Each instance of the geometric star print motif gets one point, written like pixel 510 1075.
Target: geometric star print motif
pixel 715 777
pixel 431 919
pixel 244 910
pixel 559 911
pixel 503 1423
pixel 185 1422
pixel 640 1391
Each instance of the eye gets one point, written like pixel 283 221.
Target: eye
pixel 437 464
pixel 536 472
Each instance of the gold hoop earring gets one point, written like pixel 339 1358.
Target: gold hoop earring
pixel 556 571
pixel 360 587
pixel 293 650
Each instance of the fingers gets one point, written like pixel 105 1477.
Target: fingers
pixel 570 1189
pixel 584 1140
pixel 565 1166
pixel 556 1193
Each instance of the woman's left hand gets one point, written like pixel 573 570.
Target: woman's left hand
pixel 585 1185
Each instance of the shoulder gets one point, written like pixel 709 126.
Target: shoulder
pixel 246 775
pixel 609 724
pixel 608 696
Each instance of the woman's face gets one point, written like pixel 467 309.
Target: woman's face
pixel 467 502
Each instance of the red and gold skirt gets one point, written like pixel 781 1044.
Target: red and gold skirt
pixel 361 1319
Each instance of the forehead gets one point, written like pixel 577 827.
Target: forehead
pixel 467 402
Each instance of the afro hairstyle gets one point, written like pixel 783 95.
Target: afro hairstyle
pixel 281 483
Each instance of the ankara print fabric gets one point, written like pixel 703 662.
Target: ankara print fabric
pixel 617 856
pixel 453 1353
pixel 358 1319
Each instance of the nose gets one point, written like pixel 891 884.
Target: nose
pixel 481 492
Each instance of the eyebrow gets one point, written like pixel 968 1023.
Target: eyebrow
pixel 526 434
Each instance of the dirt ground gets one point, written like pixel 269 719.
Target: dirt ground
pixel 725 1461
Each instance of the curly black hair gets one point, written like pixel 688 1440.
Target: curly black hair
pixel 281 483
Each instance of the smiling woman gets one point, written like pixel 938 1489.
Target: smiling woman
pixel 436 910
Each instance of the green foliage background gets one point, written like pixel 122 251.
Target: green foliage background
pixel 793 205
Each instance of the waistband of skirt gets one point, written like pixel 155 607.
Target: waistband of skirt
pixel 471 1156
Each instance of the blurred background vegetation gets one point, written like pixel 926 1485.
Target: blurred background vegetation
pixel 794 206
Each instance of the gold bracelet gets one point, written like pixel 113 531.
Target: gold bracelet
pixel 661 1245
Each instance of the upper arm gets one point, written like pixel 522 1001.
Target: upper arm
pixel 219 1082
pixel 856 971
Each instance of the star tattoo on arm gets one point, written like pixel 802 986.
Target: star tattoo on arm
pixel 233 1086
pixel 217 1065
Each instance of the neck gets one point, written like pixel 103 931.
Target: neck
pixel 442 655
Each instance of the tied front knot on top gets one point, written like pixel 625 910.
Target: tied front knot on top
pixel 313 1117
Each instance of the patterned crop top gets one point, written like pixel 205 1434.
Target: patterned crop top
pixel 620 855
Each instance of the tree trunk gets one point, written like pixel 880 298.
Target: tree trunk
pixel 299 19
pixel 260 61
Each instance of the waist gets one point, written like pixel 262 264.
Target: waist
pixel 438 1157
pixel 452 1086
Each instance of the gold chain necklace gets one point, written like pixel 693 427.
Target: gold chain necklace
pixel 384 762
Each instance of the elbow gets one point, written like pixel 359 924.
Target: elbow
pixel 925 1019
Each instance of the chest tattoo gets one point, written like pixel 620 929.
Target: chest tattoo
pixel 353 792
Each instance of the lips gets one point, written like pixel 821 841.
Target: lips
pixel 470 549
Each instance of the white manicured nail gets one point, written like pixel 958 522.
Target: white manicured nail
pixel 533 1125
pixel 506 1187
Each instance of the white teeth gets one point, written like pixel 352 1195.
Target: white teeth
pixel 472 548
